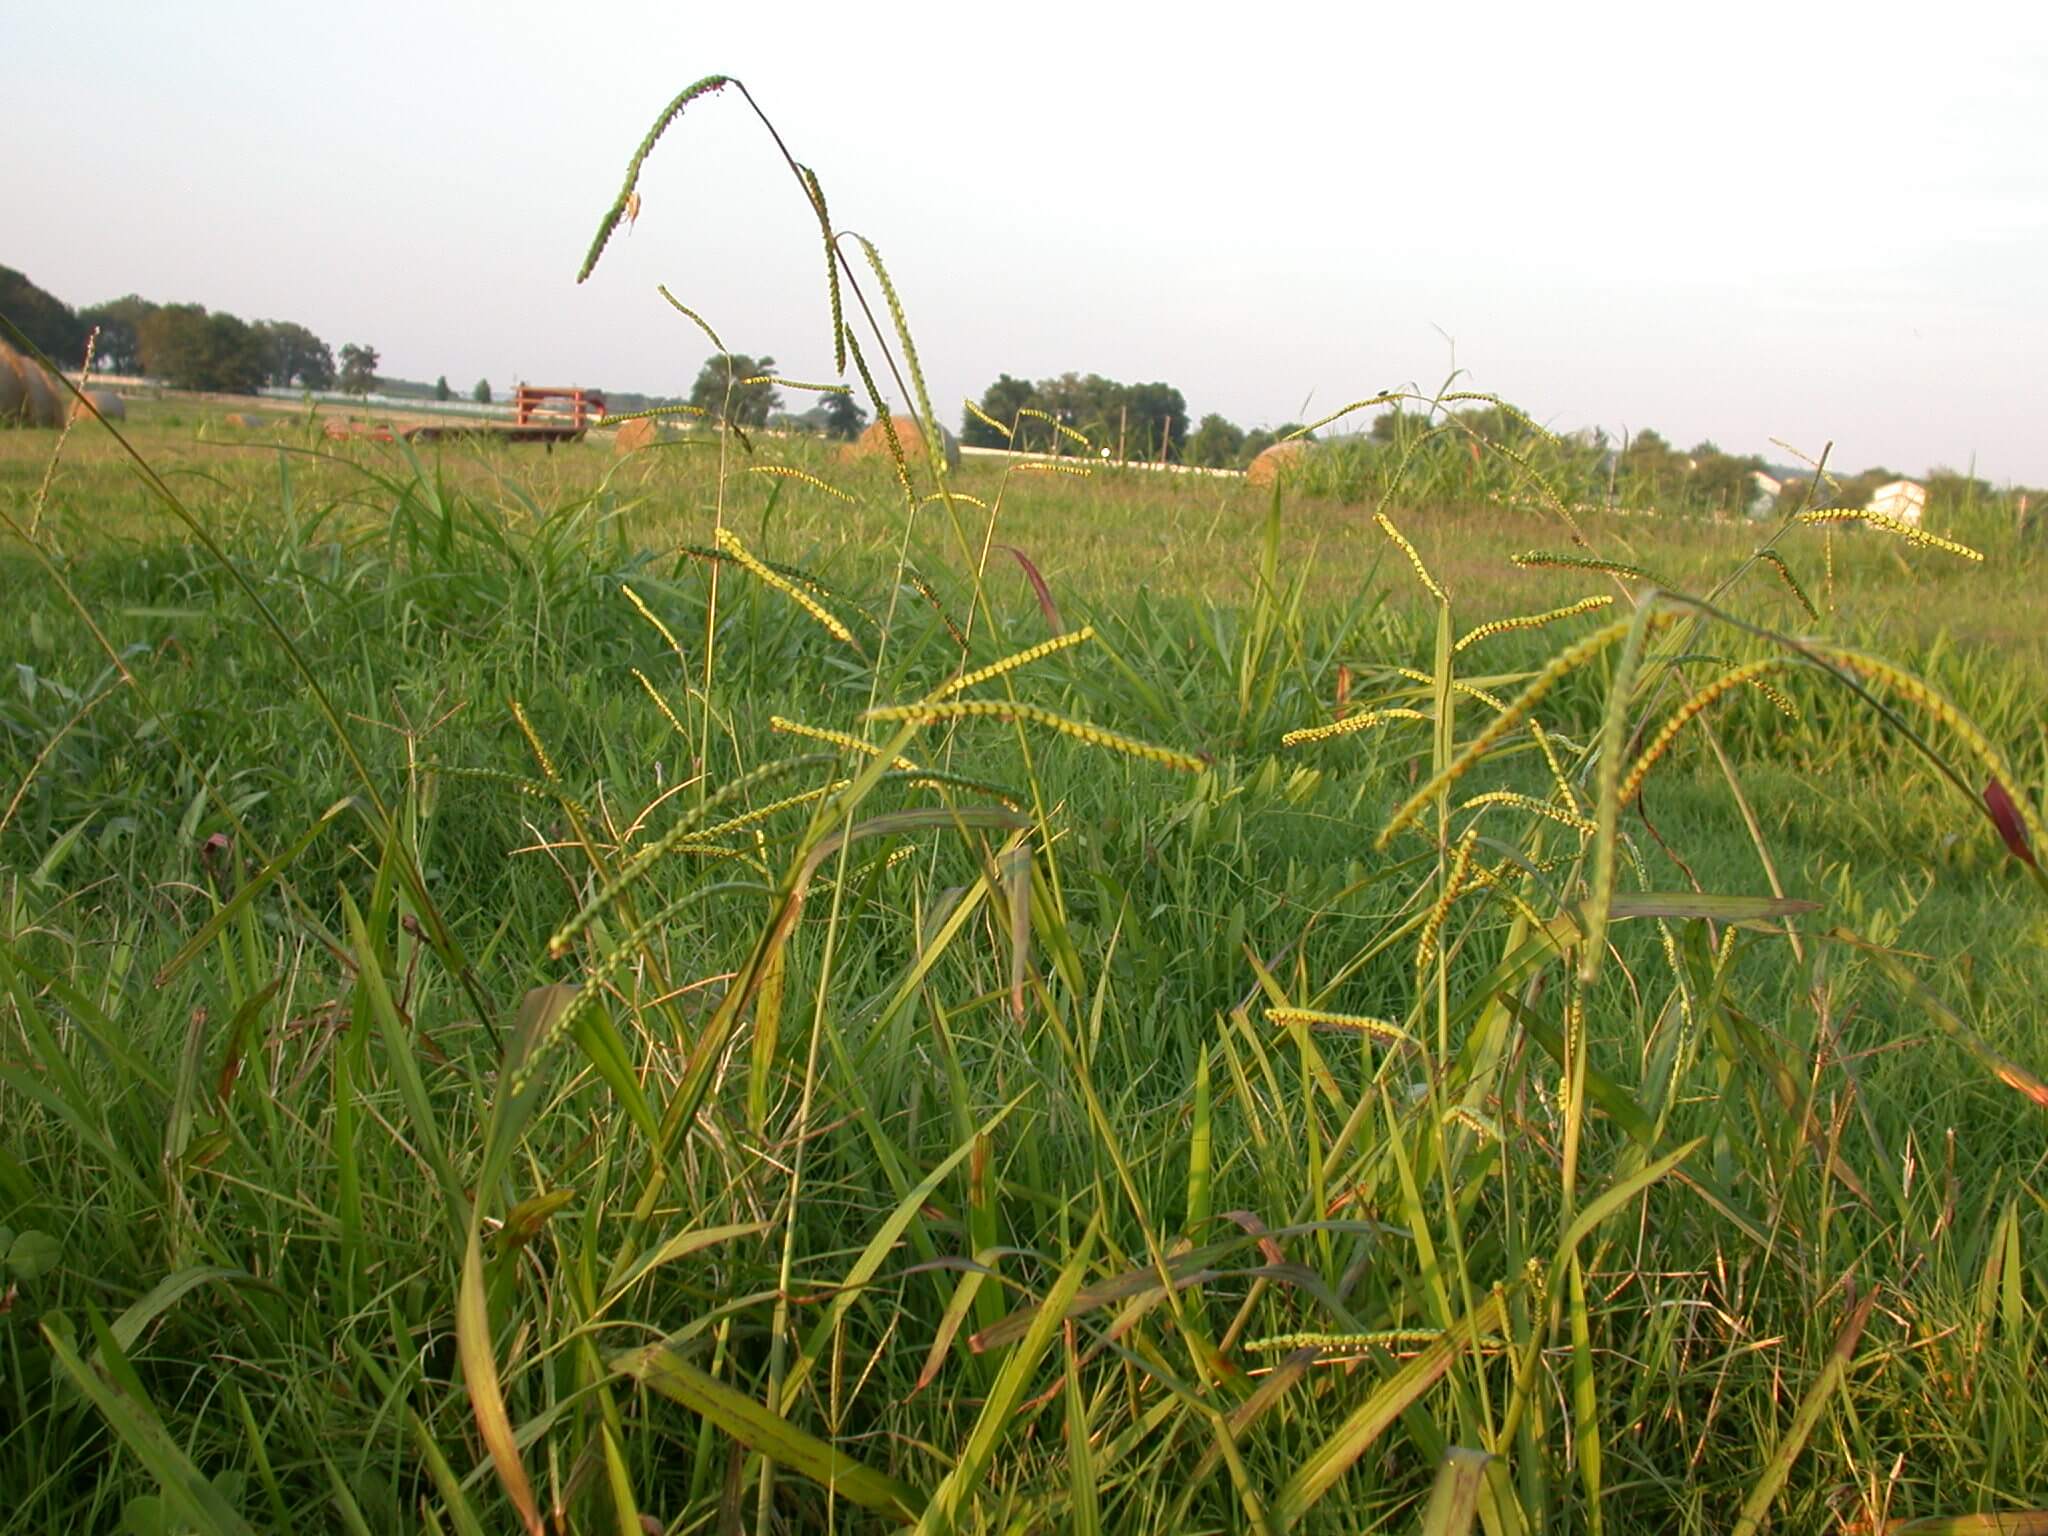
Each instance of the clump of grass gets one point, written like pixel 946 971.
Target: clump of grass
pixel 684 1133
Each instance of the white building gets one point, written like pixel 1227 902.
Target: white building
pixel 1903 501
pixel 1763 494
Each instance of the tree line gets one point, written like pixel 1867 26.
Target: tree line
pixel 187 346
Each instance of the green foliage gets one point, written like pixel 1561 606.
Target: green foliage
pixel 482 393
pixel 120 322
pixel 737 388
pixel 358 374
pixel 1216 444
pixel 1145 422
pixel 441 389
pixel 1001 402
pixel 190 349
pixel 294 356
pixel 844 417
pixel 492 1080
pixel 44 318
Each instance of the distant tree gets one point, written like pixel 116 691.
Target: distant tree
pixel 441 389
pixel 188 348
pixel 1856 490
pixel 1152 422
pixel 844 417
pixel 43 317
pixel 1650 471
pixel 358 369
pixel 482 393
pixel 1216 443
pixel 293 355
pixel 1721 482
pixel 120 322
pixel 1001 401
pixel 723 390
pixel 1398 426
pixel 236 359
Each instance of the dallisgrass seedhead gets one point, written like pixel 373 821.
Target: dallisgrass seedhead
pixel 533 741
pixel 1347 1023
pixel 730 543
pixel 930 711
pixel 1492 701
pixel 652 413
pixel 1749 672
pixel 924 590
pixel 1011 663
pixel 1779 701
pixel 660 703
pixel 705 87
pixel 1562 816
pixel 1401 543
pixel 1777 563
pixel 1561 666
pixel 1009 435
pixel 2003 808
pixel 843 739
pixel 690 825
pixel 802 477
pixel 1454 886
pixel 926 418
pixel 1919 537
pixel 1363 721
pixel 883 419
pixel 1392 1340
pixel 653 619
pixel 696 319
pixel 1532 620
pixel 1058 426
pixel 1538 557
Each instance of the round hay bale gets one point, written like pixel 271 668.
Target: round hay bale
pixel 46 397
pixel 242 421
pixel 632 436
pixel 1277 462
pixel 13 393
pixel 105 401
pixel 874 443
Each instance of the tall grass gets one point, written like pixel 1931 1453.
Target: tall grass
pixel 516 1022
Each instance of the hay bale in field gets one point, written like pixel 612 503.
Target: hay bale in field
pixel 35 399
pixel 13 393
pixel 874 443
pixel 242 421
pixel 105 401
pixel 632 436
pixel 1282 460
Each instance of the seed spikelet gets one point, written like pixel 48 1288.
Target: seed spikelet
pixel 1387 527
pixel 1354 1023
pixel 1562 665
pixel 1892 526
pixel 729 542
pixel 1680 717
pixel 1023 658
pixel 1349 724
pixel 1532 620
pixel 1002 709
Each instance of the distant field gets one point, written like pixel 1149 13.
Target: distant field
pixel 1087 1124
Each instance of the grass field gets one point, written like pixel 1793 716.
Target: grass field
pixel 1048 1135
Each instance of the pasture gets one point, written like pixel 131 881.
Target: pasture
pixel 478 1048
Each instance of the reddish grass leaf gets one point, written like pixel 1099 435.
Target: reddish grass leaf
pixel 1046 605
pixel 2006 817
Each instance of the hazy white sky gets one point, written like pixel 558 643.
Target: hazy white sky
pixel 1733 222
